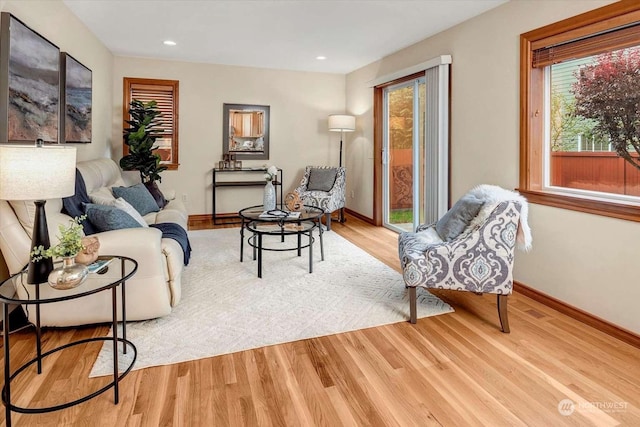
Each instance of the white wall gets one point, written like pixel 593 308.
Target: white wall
pixel 587 261
pixel 54 21
pixel 299 105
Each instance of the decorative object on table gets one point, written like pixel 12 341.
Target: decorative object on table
pixel 293 202
pixel 269 198
pixel 89 251
pixel 29 83
pixel 341 123
pixel 22 178
pixel 238 164
pixel 221 164
pixel 70 274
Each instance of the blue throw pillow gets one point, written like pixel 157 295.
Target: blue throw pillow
pixel 137 196
pixel 106 218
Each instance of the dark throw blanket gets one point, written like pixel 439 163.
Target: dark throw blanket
pixel 177 233
pixel 74 205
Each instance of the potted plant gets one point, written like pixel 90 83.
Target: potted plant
pixel 140 138
pixel 70 274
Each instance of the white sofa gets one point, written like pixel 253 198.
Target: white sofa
pixel 151 292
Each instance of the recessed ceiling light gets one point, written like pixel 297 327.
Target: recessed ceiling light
pixel 169 42
pixel 321 58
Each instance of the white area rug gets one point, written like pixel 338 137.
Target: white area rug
pixel 225 308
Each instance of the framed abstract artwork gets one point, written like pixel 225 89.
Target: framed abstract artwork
pixel 75 100
pixel 29 83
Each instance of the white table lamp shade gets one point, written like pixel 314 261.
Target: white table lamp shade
pixel 37 173
pixel 342 123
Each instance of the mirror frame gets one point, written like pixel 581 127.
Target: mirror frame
pixel 226 125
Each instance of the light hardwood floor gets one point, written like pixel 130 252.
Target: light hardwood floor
pixel 457 369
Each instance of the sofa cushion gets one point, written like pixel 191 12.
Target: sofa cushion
pixel 137 196
pixel 106 218
pixel 321 179
pixel 454 222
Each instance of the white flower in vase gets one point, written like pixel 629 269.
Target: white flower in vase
pixel 271 173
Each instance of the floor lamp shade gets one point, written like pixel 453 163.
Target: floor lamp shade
pixel 37 173
pixel 341 123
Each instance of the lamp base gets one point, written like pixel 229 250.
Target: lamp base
pixel 39 270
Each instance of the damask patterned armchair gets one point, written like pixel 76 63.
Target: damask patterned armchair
pixel 324 188
pixel 471 248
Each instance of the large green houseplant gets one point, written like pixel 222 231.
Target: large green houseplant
pixel 140 138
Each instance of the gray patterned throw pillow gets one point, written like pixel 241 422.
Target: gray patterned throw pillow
pixel 453 223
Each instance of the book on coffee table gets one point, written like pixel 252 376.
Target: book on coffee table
pixel 278 214
pixel 99 266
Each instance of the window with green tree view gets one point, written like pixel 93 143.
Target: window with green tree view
pixel 580 112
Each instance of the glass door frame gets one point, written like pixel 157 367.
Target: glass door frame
pixel 418 185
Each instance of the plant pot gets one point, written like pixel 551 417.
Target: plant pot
pixel 69 275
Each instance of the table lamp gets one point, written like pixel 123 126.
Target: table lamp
pixel 37 173
pixel 341 123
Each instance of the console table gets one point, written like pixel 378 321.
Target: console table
pixel 241 183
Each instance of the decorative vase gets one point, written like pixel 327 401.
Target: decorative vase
pixel 69 275
pixel 90 252
pixel 269 199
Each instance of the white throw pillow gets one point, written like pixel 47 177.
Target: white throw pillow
pixel 122 204
pixel 102 196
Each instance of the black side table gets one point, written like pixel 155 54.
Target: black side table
pixel 128 268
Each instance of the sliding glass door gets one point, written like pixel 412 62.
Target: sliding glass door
pixel 404 155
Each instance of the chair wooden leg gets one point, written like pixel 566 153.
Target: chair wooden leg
pixel 412 305
pixel 328 220
pixel 502 313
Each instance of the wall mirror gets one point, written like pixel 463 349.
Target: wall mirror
pixel 246 131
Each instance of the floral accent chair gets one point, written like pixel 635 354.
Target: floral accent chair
pixel 324 188
pixel 471 248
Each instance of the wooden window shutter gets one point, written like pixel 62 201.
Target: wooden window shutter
pixel 165 93
pixel 606 41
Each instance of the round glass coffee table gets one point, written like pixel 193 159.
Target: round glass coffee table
pixel 280 223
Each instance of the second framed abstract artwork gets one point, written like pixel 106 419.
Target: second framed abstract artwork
pixel 75 100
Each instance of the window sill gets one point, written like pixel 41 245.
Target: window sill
pixel 593 205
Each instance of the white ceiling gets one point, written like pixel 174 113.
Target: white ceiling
pixel 269 33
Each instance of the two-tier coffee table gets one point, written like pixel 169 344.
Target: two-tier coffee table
pixel 121 269
pixel 280 223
